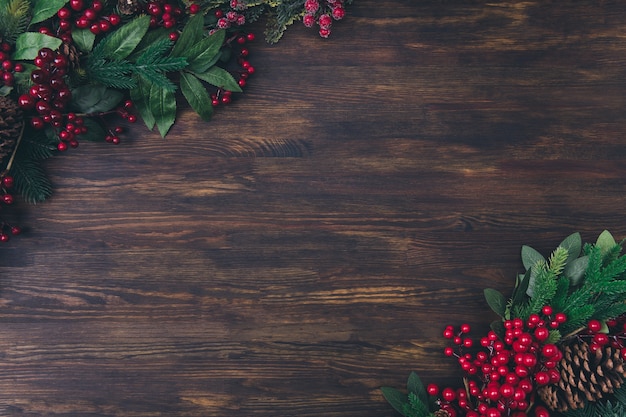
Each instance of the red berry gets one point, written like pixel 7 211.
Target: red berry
pixel 448 394
pixel 465 328
pixel 37 122
pixel 601 339
pixel 105 25
pixel 7 199
pixel 173 36
pixel 194 9
pixel 64 13
pixel 115 19
pixel 15 230
pixel 61 146
pixel 97 5
pixel 4 237
pixel 594 326
pixel 541 412
pixel 77 5
pixel 8 181
pixel 90 14
pixel 549 350
pixel 448 351
pixel 250 37
pixel 542 378
pixel 541 334
pixel 432 389
pixel 547 310
pixel 560 317
pixel 26 101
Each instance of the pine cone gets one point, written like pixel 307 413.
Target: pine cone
pixel 127 7
pixel 585 376
pixel 11 122
pixel 442 413
pixel 72 54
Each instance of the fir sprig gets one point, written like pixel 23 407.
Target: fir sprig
pixel 14 19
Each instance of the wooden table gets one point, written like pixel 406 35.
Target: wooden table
pixel 309 244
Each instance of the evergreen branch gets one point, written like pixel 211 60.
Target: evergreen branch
pixel 14 19
pixel 545 286
pixel 31 180
pixel 557 261
pixel 155 51
pixel 37 146
pixel 114 74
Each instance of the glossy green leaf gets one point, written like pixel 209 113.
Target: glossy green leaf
pixel 192 33
pixel 573 243
pixel 530 257
pixel 395 398
pixel 84 39
pixel 28 45
pixel 219 77
pixel 140 96
pixel 203 54
pixel 120 43
pixel 519 294
pixel 605 242
pixel 45 9
pixel 415 386
pixel 163 107
pixel 90 99
pixel 196 95
pixel 496 301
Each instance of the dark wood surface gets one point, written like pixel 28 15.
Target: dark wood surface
pixel 309 244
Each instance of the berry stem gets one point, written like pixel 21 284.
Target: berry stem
pixel 17 145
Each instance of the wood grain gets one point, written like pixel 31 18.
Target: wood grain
pixel 309 243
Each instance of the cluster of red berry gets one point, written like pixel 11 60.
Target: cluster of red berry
pixel 323 14
pixel 9 68
pixel 84 16
pixel 223 96
pixel 7 230
pixel 164 13
pixel 49 96
pixel 503 374
pixel 613 335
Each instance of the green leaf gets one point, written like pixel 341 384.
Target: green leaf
pixel 162 104
pixel 192 33
pixel 95 98
pixel 45 9
pixel 120 43
pixel 95 131
pixel 196 95
pixel 140 96
pixel 605 242
pixel 395 398
pixel 573 243
pixel 84 39
pixel 202 54
pixel 415 386
pixel 220 78
pixel 530 257
pixel 28 44
pixel 519 296
pixel 575 270
pixel 498 327
pixel 496 301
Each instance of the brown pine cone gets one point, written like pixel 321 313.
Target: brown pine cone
pixel 585 376
pixel 11 122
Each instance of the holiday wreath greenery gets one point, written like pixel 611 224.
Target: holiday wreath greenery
pixel 68 67
pixel 559 347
